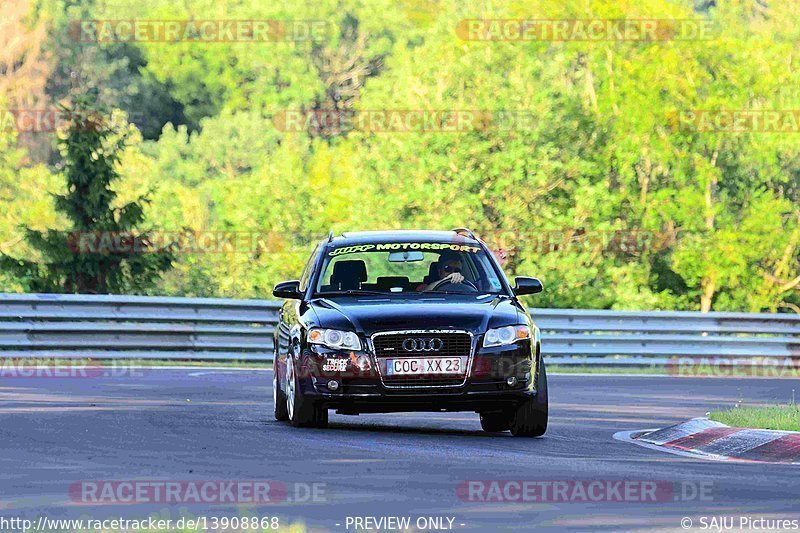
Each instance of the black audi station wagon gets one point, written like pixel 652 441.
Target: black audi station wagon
pixel 392 321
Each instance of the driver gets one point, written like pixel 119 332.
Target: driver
pixel 448 268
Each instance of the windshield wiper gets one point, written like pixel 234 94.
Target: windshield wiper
pixel 352 292
pixel 476 294
pixel 446 292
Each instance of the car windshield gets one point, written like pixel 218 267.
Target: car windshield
pixel 415 267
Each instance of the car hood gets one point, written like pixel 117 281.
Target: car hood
pixel 368 315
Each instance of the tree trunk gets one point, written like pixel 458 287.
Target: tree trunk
pixel 709 286
pixel 709 282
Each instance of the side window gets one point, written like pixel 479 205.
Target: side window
pixel 306 275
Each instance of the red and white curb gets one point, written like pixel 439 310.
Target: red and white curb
pixel 705 439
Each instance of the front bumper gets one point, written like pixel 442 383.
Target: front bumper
pixel 363 391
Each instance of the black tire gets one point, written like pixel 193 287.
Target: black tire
pixel 302 412
pixel 278 397
pixel 495 421
pixel 530 419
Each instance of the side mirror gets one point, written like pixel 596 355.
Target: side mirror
pixel 523 285
pixel 288 289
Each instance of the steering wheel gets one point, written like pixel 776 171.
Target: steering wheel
pixel 444 282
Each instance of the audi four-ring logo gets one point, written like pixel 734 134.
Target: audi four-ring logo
pixel 423 345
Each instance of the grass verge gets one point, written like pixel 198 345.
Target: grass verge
pixel 591 369
pixel 781 417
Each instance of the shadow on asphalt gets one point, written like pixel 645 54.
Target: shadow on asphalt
pixel 344 428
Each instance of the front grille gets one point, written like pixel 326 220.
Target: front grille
pixel 453 345
pixel 395 345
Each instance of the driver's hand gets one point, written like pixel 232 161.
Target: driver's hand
pixel 455 277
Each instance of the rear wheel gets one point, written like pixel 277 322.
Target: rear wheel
pixel 495 421
pixel 530 419
pixel 278 397
pixel 302 411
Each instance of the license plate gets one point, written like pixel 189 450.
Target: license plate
pixel 425 365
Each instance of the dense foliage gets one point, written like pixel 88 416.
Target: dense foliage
pixel 598 193
pixel 105 250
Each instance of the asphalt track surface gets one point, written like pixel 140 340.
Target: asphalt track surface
pixel 56 431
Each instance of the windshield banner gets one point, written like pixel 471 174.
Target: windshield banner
pixel 395 246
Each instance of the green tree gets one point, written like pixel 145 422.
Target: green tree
pixel 712 217
pixel 101 253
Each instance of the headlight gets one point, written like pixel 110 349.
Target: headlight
pixel 505 335
pixel 333 338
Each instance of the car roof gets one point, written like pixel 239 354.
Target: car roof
pixel 360 237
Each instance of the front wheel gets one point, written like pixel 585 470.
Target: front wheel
pixel 302 411
pixel 278 397
pixel 530 419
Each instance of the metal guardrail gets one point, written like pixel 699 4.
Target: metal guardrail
pixel 50 325
pixel 592 337
pixel 55 325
